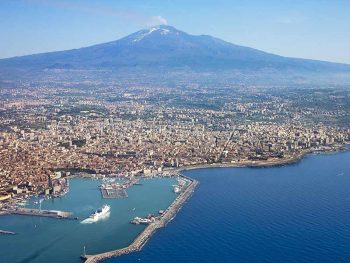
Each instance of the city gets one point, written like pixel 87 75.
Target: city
pixel 174 131
pixel 46 134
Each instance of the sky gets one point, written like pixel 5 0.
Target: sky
pixel 315 29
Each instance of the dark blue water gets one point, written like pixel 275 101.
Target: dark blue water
pixel 296 213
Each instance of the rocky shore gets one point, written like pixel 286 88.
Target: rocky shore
pixel 266 163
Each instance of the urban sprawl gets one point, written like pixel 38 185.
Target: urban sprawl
pixel 50 133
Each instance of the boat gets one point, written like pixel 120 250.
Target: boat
pixel 176 189
pixel 182 182
pixel 100 212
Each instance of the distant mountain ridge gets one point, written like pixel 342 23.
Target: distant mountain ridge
pixel 168 48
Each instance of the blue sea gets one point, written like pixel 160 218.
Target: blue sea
pixel 295 213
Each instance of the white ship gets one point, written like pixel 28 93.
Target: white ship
pixel 176 189
pixel 100 212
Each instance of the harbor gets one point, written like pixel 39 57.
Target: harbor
pixel 158 222
pixel 45 238
pixel 39 212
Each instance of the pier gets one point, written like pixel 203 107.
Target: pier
pixel 43 213
pixel 110 193
pixel 3 232
pixel 161 221
pixel 117 190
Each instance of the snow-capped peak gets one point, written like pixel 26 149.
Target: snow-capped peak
pixel 160 29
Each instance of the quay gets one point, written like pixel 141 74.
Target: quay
pixel 3 232
pixel 161 221
pixel 109 192
pixel 116 190
pixel 43 213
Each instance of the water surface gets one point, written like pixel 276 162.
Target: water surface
pixel 53 240
pixel 296 213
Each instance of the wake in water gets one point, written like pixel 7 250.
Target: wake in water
pixel 91 221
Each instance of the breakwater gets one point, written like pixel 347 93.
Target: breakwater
pixel 138 243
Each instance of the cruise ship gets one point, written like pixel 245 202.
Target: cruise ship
pixel 100 212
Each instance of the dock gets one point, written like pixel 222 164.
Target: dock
pixel 3 232
pixel 43 213
pixel 110 193
pixel 161 221
pixel 117 190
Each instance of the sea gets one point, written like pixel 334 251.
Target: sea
pixel 294 213
pixel 41 240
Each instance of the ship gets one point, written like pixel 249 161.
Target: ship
pixel 100 212
pixel 176 189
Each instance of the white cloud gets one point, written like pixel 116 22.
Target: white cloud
pixel 157 20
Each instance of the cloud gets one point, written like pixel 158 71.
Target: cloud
pixel 131 16
pixel 157 20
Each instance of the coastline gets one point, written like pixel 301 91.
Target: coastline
pixel 266 163
pixel 172 210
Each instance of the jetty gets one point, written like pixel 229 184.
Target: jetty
pixel 109 192
pixel 3 232
pixel 117 190
pixel 161 221
pixel 39 212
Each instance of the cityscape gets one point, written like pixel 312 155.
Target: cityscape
pixel 223 138
pixel 46 134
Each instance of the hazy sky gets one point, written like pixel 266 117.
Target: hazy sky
pixel 318 29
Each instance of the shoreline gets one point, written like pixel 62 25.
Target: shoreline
pixel 265 163
pixel 174 208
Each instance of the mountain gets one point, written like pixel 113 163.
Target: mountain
pixel 168 48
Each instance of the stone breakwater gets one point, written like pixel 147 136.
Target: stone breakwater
pixel 138 243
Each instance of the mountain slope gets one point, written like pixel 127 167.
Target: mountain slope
pixel 168 48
